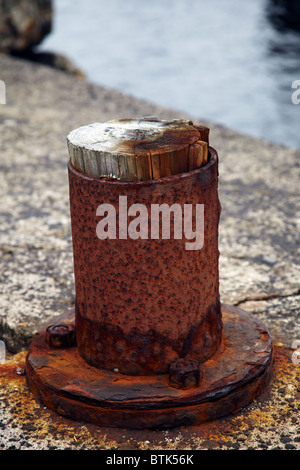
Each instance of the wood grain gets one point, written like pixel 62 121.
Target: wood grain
pixel 138 149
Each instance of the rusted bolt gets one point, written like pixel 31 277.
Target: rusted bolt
pixel 61 336
pixel 184 373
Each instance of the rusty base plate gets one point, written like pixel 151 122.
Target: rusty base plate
pixel 238 373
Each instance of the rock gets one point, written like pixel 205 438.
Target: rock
pixel 285 439
pixel 290 447
pixel 284 14
pixel 24 24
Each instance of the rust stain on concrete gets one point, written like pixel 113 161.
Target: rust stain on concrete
pixel 271 421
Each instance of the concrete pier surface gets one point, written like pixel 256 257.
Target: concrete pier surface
pixel 259 259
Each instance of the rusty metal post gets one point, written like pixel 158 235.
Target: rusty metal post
pixel 154 345
pixel 142 303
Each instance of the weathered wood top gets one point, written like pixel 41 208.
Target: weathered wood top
pixel 138 149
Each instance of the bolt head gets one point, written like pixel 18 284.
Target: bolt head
pixel 184 374
pixel 61 335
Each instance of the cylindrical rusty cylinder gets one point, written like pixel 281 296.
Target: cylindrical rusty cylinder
pixel 144 301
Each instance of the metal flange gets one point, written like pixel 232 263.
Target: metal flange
pixel 64 382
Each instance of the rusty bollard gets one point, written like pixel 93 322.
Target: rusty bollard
pixel 132 311
pixel 154 345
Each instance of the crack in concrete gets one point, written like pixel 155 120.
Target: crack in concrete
pixel 260 297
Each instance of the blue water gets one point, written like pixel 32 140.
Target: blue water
pixel 222 60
